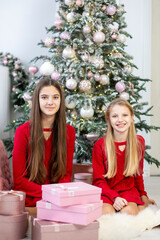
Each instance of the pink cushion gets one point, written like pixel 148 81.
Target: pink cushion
pixel 5 173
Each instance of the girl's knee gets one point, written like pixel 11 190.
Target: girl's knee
pixel 107 209
pixel 130 209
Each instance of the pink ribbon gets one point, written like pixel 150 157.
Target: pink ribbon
pixel 12 192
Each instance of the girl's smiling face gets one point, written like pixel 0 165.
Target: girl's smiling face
pixel 120 118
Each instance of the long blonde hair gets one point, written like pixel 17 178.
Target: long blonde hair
pixel 133 151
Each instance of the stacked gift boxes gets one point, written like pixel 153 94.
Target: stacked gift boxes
pixel 74 206
pixel 13 218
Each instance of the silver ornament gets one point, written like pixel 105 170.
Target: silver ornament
pixel 85 85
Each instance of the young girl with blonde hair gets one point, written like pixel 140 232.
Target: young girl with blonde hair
pixel 43 146
pixel 118 162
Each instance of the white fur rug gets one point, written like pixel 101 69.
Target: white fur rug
pixel 123 226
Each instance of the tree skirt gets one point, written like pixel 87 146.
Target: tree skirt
pixel 123 226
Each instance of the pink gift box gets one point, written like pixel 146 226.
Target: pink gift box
pixel 12 202
pixel 13 227
pixel 76 214
pixel 71 193
pixel 47 230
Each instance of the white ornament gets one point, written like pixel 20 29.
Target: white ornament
pixel 69 52
pixel 49 42
pixel 65 35
pixel 85 85
pixel 124 95
pixel 86 29
pixel 104 79
pixel 71 84
pixel 87 112
pixel 69 2
pixel 46 69
pixel 97 77
pixel 97 61
pixel 71 17
pixel 70 103
pixel 121 38
pixel 99 37
pixel 85 57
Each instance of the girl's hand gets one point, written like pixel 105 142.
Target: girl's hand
pixel 147 201
pixel 119 203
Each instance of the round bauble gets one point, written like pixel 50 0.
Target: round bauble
pixel 117 55
pixel 74 114
pixel 111 10
pixel 46 69
pixel 65 35
pixel 104 79
pixel 85 57
pixel 90 74
pixel 92 136
pixel 128 69
pixel 99 37
pixel 49 42
pixel 5 62
pixel 14 74
pixel 85 85
pixel 87 113
pixel 58 23
pixel 71 17
pixel 33 70
pixel 124 95
pixel 121 38
pixel 86 29
pixel 70 103
pixel 55 75
pixel 27 96
pixel 71 84
pixel 97 77
pixel 80 3
pixel 97 61
pixel 114 36
pixel 120 86
pixel 69 2
pixel 69 52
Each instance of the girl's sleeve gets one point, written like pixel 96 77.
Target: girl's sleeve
pixel 99 172
pixel 70 152
pixel 139 182
pixel 21 182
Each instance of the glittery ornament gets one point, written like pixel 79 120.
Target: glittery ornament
pixel 124 95
pixel 33 70
pixel 120 86
pixel 90 74
pixel 121 38
pixel 104 79
pixel 46 69
pixel 111 9
pixel 71 84
pixel 85 85
pixel 86 29
pixel 97 61
pixel 68 52
pixel 87 112
pixel 49 42
pixel 97 77
pixel 74 114
pixel 71 17
pixel 55 75
pixel 65 35
pixel 99 37
pixel 70 103
pixel 92 136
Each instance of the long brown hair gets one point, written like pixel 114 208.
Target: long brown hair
pixel 57 166
pixel 133 151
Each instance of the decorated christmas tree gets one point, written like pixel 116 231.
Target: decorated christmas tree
pixel 86 55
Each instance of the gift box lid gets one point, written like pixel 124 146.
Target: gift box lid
pixel 84 176
pixel 49 226
pixel 11 196
pixel 71 189
pixel 83 208
pixel 15 218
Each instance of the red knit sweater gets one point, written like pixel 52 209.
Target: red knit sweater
pixel 130 188
pixel 20 153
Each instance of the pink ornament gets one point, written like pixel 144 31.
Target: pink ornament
pixel 55 75
pixel 104 79
pixel 97 77
pixel 99 37
pixel 124 95
pixel 114 36
pixel 111 9
pixel 18 62
pixel 5 62
pixel 49 42
pixel 85 85
pixel 90 74
pixel 69 2
pixel 13 89
pixel 71 84
pixel 86 29
pixel 65 35
pixel 16 67
pixel 33 70
pixel 79 2
pixel 120 86
pixel 58 23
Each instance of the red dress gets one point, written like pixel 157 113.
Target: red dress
pixel 20 153
pixel 131 188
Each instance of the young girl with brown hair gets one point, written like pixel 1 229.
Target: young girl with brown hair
pixel 43 146
pixel 118 162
